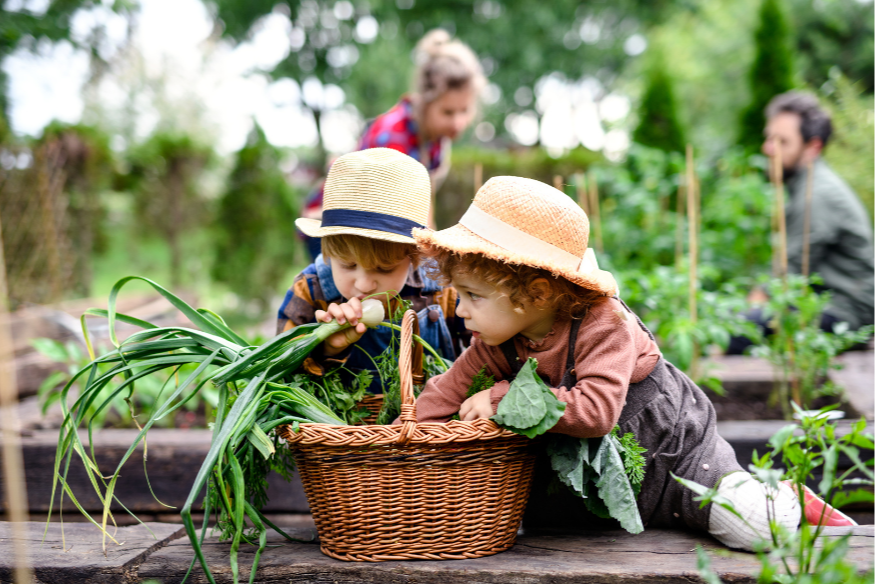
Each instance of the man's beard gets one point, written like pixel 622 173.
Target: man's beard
pixel 789 173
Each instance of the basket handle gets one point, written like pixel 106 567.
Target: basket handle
pixel 405 362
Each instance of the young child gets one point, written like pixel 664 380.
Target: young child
pixel 373 199
pixel 530 287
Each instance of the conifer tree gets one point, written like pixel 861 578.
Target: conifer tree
pixel 772 71
pixel 255 230
pixel 659 126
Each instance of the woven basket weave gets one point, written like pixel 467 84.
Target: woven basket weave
pixel 413 491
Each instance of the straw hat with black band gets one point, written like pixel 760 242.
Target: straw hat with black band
pixel 377 193
pixel 524 221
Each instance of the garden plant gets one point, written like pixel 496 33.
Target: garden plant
pixel 812 445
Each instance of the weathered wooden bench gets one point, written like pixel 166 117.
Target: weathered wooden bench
pixel 655 556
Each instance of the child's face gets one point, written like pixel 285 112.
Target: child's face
pixel 354 280
pixel 492 318
pixel 449 115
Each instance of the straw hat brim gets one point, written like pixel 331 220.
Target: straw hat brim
pixel 313 228
pixel 462 240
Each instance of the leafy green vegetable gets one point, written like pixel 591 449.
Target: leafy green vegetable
pixel 606 472
pixel 480 382
pixel 529 407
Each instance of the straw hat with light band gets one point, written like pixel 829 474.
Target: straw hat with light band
pixel 524 221
pixel 377 193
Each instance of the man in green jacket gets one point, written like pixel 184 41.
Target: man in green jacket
pixel 840 231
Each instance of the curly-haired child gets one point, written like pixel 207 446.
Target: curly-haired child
pixel 529 286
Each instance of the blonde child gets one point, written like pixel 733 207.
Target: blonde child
pixel 373 199
pixel 529 286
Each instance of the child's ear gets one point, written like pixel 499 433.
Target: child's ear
pixel 542 291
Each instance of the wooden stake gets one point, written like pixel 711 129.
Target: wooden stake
pixel 679 229
pixel 13 462
pixel 806 222
pixel 693 222
pixel 595 218
pixel 779 210
pixel 478 177
pixel 557 183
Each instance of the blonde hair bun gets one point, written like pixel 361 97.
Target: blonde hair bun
pixel 429 45
pixel 444 64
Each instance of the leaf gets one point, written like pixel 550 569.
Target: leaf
pixel 261 441
pixel 529 407
pixel 614 486
pixel 780 437
pixel 523 406
pixel 569 458
pixel 830 463
pixel 54 350
pixel 843 498
pixel 703 564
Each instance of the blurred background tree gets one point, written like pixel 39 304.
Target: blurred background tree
pixel 163 178
pixel 255 234
pixel 772 71
pixel 658 123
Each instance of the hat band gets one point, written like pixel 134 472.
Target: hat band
pixel 369 220
pixel 504 235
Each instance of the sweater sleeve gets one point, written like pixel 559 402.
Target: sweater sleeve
pixel 444 393
pixel 605 358
pixel 610 353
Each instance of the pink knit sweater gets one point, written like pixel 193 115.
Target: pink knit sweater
pixel 611 352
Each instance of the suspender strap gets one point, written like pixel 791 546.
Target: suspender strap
pixel 515 363
pixel 513 359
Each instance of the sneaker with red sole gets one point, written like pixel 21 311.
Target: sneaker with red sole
pixel 819 512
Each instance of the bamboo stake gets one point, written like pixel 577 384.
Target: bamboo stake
pixel 595 219
pixel 778 179
pixel 693 222
pixel 478 177
pixel 806 222
pixel 679 229
pixel 580 190
pixel 13 463
pixel 557 183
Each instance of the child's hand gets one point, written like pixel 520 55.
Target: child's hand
pixel 347 312
pixel 477 406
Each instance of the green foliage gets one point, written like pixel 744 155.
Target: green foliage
pixel 164 179
pixel 835 35
pixel 480 382
pixel 255 241
pixel 455 195
pixel 802 353
pixel 772 71
pixel 88 165
pixel 606 472
pixel 331 49
pixel 851 150
pixel 640 223
pixel 802 556
pixel 529 407
pixel 343 400
pixel 110 409
pixel 658 122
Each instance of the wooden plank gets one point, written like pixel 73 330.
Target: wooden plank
pixel 77 554
pixel 857 377
pixel 174 457
pixel 654 556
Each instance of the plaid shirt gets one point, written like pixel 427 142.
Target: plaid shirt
pixel 394 129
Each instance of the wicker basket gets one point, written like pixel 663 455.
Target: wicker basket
pixel 413 491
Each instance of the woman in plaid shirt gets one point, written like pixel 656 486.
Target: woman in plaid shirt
pixel 424 123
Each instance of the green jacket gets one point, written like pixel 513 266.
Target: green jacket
pixel 840 244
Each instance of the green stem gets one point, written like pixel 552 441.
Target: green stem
pixel 419 340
